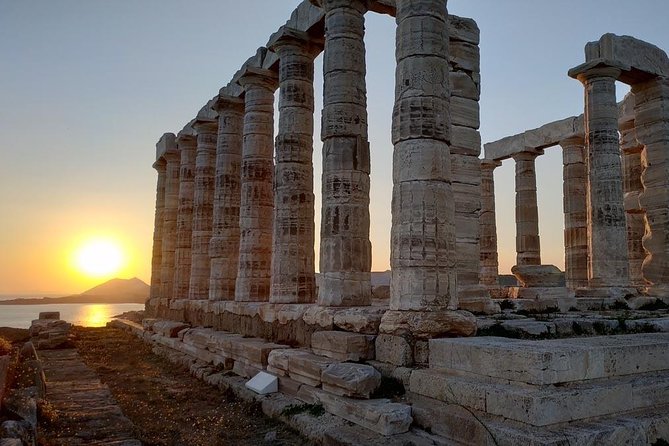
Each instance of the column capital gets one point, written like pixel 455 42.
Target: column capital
pixel 288 39
pixel 166 145
pixel 328 5
pixel 205 126
pixel 259 77
pixel 490 164
pixel 597 69
pixel 160 165
pixel 573 141
pixel 186 138
pixel 227 102
pixel 527 155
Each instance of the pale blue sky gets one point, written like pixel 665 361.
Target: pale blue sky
pixel 88 86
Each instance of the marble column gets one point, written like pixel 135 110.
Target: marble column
pixel 345 248
pixel 528 250
pixel 156 257
pixel 203 207
pixel 607 233
pixel 489 256
pixel 574 177
pixel 256 211
pixel 652 121
pixel 224 244
pixel 171 155
pixel 293 269
pixel 632 190
pixel 182 255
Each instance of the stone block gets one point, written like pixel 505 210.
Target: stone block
pixel 50 315
pixel 343 346
pixel 278 359
pixel 307 368
pixel 463 29
pixel 263 383
pixel 538 275
pixel 428 324
pixel 465 112
pixel 394 350
pixel 169 329
pixel 463 86
pixel 465 141
pixel 352 380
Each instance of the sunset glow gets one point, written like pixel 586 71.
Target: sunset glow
pixel 99 258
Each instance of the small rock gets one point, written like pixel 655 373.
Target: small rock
pixel 270 437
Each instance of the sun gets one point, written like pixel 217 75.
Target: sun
pixel 99 258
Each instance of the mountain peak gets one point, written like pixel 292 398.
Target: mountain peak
pixel 116 287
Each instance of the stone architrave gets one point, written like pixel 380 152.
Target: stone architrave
pixel 224 244
pixel 167 145
pixel 607 232
pixel 652 124
pixel 206 130
pixel 186 142
pixel 293 269
pixel 528 250
pixel 257 199
pixel 489 256
pixel 156 257
pixel 345 248
pixel 575 212
pixel 423 283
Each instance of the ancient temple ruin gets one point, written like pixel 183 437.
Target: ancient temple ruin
pixel 233 272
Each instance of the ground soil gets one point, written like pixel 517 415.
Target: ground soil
pixel 168 406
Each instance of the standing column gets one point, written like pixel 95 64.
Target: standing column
pixel 182 255
pixel 203 201
pixel 224 244
pixel 345 252
pixel 488 224
pixel 607 232
pixel 256 211
pixel 156 257
pixel 167 145
pixel 528 251
pixel 574 177
pixel 293 271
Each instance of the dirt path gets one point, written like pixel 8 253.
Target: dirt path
pixel 167 405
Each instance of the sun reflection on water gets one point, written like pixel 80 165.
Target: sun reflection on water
pixel 95 315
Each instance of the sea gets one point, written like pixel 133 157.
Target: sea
pixel 86 315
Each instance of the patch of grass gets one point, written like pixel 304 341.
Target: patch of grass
pixel 658 304
pixel 315 410
pixel 5 347
pixel 577 329
pixel 497 329
pixel 506 304
pixel 573 309
pixel 620 305
pixel 389 388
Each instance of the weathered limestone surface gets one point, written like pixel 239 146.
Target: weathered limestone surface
pixel 342 345
pixel 157 252
pixel 538 275
pixel 257 202
pixel 352 380
pixel 629 53
pixel 574 176
pixel 186 143
pixel 488 225
pixel 206 129
pixel 168 147
pixel 423 254
pixel 224 243
pixel 293 270
pixel 528 250
pixel 345 252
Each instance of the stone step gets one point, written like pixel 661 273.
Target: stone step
pixel 548 404
pixel 552 361
pixel 342 345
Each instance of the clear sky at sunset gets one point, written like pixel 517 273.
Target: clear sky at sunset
pixel 88 86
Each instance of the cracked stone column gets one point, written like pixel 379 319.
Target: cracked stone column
pixel 167 145
pixel 608 264
pixel 206 129
pixel 224 244
pixel 423 287
pixel 256 211
pixel 345 251
pixel 156 257
pixel 574 177
pixel 632 190
pixel 489 256
pixel 293 269
pixel 528 251
pixel 186 142
pixel 651 121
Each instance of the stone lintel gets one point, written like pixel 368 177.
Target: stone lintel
pixel 643 59
pixel 490 163
pixel 599 67
pixel 166 145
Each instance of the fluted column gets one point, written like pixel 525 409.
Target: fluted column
pixel 169 242
pixel 488 224
pixel 203 201
pixel 224 244
pixel 256 212
pixel 346 251
pixel 607 232
pixel 182 255
pixel 574 177
pixel 156 257
pixel 293 270
pixel 528 250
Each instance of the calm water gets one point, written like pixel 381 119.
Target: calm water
pixel 87 315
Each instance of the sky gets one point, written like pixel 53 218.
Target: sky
pixel 87 87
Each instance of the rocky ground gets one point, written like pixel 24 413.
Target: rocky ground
pixel 168 406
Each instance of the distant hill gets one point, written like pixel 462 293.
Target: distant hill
pixel 114 291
